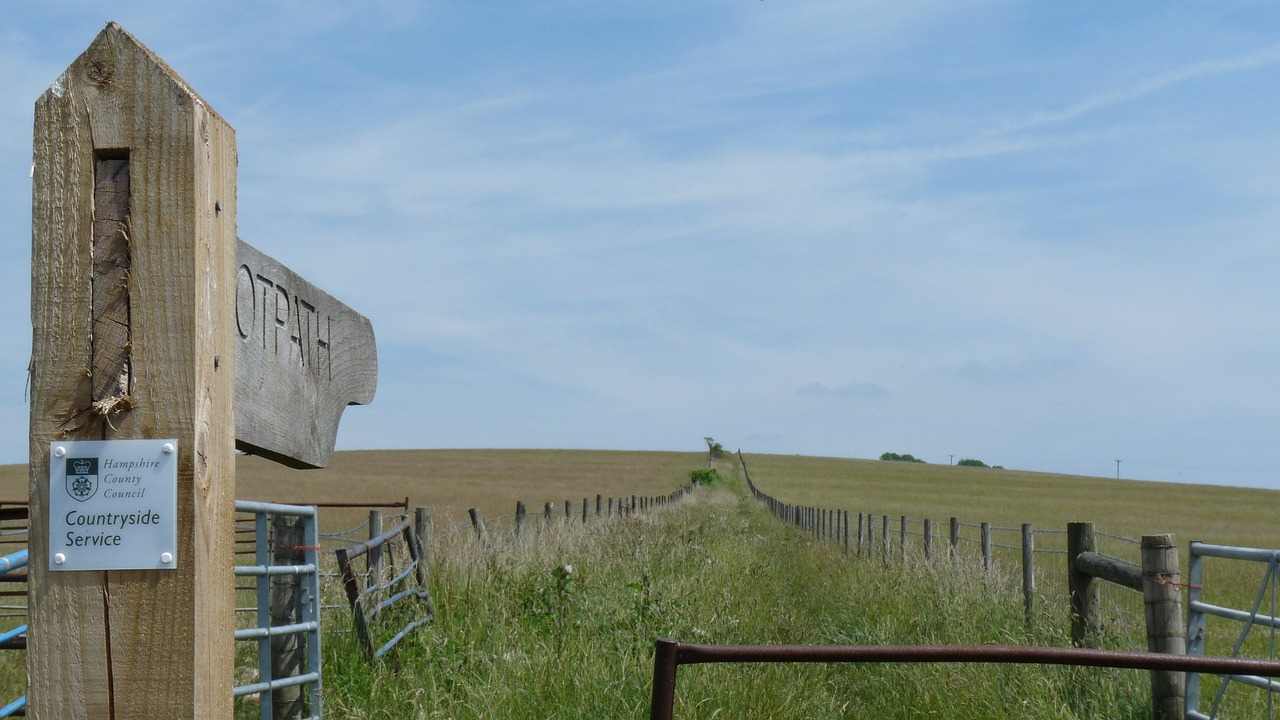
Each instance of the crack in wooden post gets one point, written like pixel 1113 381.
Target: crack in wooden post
pixel 111 374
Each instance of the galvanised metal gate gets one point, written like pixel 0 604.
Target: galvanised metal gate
pixel 14 561
pixel 309 624
pixel 1199 611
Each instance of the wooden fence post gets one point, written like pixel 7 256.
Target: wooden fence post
pixel 1028 572
pixel 477 522
pixel 546 512
pixel 928 539
pixel 902 538
pixel 1085 593
pixel 860 534
pixel 130 161
pixel 422 528
pixel 884 538
pixel 611 506
pixel 955 536
pixel 599 505
pixel 985 530
pixel 584 511
pixel 375 552
pixel 520 516
pixel 1162 599
pixel 288 652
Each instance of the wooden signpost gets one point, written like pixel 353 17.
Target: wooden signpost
pixel 150 321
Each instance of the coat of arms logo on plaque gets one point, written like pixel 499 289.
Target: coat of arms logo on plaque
pixel 82 478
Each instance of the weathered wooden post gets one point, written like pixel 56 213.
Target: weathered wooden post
pixel 1085 592
pixel 902 538
pixel 521 512
pixel 860 535
pixel 132 308
pixel 477 523
pixel 288 653
pixel 955 536
pixel 884 538
pixel 928 539
pixel 984 530
pixel 1028 573
pixel 155 329
pixel 1162 599
pixel 375 551
pixel 546 512
pixel 422 529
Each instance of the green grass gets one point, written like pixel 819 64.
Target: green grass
pixel 515 639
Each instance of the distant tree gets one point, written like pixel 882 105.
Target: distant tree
pixel 895 457
pixel 969 462
pixel 715 450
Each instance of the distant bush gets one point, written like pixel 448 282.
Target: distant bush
pixel 968 462
pixel 895 457
pixel 706 477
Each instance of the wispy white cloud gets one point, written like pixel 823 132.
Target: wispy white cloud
pixel 672 228
pixel 1245 62
pixel 851 391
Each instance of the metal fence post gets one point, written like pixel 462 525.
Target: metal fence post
pixel 1195 621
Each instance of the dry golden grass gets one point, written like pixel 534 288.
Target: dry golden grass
pixel 451 481
pixel 1225 515
pixel 448 481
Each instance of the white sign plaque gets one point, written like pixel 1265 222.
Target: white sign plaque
pixel 113 505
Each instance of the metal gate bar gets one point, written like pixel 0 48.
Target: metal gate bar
pixel 1199 611
pixel 670 654
pixel 309 626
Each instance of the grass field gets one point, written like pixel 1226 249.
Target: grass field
pixel 1226 515
pixel 474 615
pixel 447 481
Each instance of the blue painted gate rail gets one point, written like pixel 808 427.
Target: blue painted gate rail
pixel 10 562
pixel 309 626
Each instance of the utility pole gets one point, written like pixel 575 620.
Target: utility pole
pixel 1117 469
pixel 953 459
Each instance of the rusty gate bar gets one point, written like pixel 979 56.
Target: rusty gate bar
pixel 670 654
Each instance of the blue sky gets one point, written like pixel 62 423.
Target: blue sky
pixel 1038 234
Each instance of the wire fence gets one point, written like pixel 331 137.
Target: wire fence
pixel 1038 555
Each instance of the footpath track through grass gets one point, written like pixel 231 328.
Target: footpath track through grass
pixel 518 635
